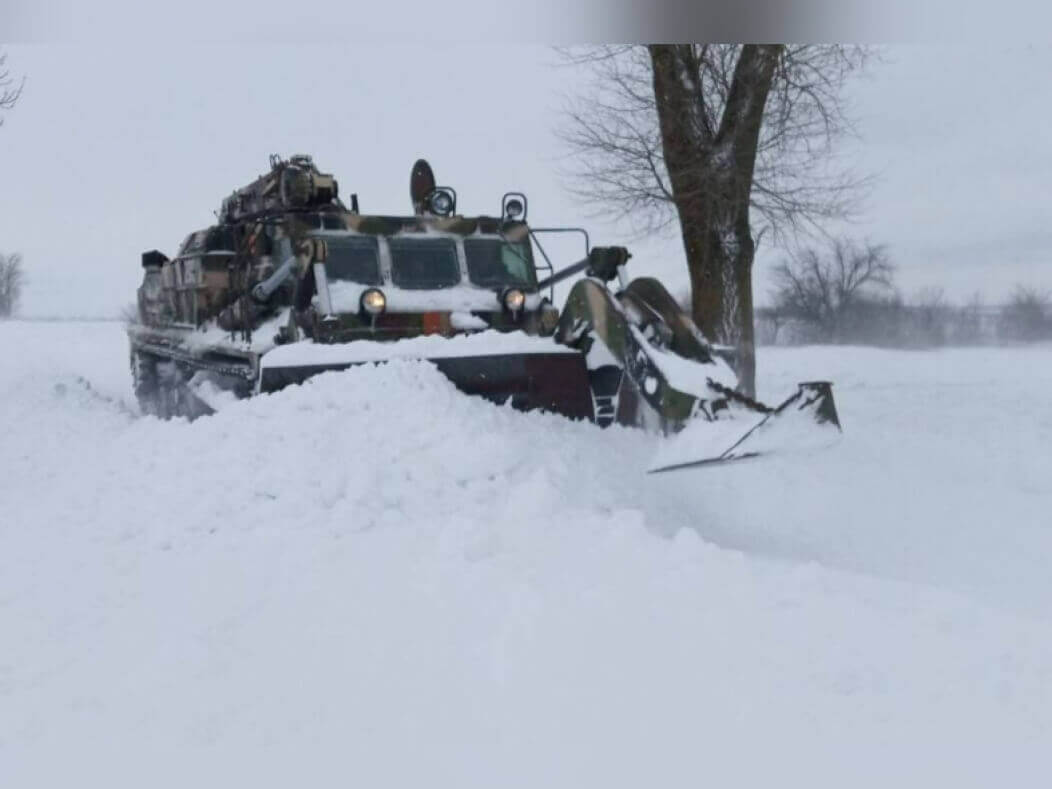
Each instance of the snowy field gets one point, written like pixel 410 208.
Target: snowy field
pixel 374 581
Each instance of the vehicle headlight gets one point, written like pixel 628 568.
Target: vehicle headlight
pixel 513 299
pixel 374 301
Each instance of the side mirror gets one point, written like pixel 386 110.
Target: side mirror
pixel 604 262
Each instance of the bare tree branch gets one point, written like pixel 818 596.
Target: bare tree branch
pixel 731 141
pixel 612 133
pixel 10 91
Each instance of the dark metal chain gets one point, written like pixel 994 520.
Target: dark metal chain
pixel 738 397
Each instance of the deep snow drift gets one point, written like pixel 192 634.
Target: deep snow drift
pixel 373 580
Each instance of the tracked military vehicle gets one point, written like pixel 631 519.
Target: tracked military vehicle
pixel 291 282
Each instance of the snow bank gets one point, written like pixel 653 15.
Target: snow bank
pixel 374 580
pixel 942 475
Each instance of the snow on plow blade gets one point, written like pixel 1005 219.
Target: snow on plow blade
pixel 553 379
pixel 806 420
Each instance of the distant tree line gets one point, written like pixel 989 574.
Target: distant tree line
pixel 847 294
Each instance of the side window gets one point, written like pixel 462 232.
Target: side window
pixel 494 263
pixel 322 221
pixel 353 258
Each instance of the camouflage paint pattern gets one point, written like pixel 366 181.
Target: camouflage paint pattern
pixel 212 276
pixel 592 314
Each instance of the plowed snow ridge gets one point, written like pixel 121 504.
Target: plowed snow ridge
pixel 374 580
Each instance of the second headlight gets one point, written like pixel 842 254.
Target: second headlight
pixel 513 299
pixel 374 301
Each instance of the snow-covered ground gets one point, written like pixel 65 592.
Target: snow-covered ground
pixel 372 580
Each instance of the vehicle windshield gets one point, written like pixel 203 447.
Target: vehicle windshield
pixel 423 264
pixel 352 258
pixel 493 262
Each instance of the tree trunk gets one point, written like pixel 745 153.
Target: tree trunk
pixel 710 173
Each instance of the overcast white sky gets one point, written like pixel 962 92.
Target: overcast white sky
pixel 116 149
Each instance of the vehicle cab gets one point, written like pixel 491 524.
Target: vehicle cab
pixel 395 277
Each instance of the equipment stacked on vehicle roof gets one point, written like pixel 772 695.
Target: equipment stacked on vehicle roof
pixel 290 282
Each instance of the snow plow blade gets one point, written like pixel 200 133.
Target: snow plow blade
pixel 555 382
pixel 806 420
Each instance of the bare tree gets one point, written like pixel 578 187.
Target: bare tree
pixel 931 315
pixel 733 141
pixel 822 291
pixel 11 279
pixel 968 326
pixel 769 323
pixel 9 90
pixel 1026 317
